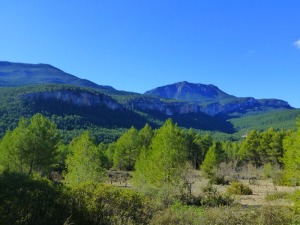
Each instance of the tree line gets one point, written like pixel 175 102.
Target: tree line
pixel 160 162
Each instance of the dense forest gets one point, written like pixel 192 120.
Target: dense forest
pixel 145 176
pixel 107 125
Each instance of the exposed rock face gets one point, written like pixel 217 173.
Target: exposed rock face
pixel 208 99
pixel 189 92
pixel 171 108
pixel 79 99
pixel 147 103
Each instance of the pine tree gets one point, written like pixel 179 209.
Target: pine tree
pixel 212 159
pixel 30 148
pixel 127 150
pixel 84 162
pixel 162 165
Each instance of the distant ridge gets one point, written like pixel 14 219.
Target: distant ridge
pixel 22 74
pixel 81 104
pixel 190 92
pixel 213 101
pixel 185 97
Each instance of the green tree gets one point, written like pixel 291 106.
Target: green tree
pixel 212 159
pixel 30 200
pixel 110 153
pixel 291 157
pixel 204 144
pixel 145 136
pixel 127 150
pixel 84 161
pixel 30 148
pixel 42 140
pixel 277 149
pixel 249 149
pixel 162 165
pixel 193 147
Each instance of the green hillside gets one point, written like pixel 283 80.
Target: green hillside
pixel 21 74
pixel 281 119
pixel 105 123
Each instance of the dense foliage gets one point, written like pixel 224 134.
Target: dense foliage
pixel 44 181
pixel 107 125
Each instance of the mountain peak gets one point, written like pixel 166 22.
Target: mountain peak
pixel 189 92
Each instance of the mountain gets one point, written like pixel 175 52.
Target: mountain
pixel 211 100
pixel 190 92
pixel 21 74
pixel 76 105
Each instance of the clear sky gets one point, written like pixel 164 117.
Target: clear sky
pixel 245 47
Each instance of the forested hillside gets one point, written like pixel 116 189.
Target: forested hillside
pixel 75 109
pixel 107 113
pixel 44 181
pixel 73 152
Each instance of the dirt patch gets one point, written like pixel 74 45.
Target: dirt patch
pixel 261 188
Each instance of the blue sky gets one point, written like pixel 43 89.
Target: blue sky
pixel 245 47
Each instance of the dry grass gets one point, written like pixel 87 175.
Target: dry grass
pixel 261 188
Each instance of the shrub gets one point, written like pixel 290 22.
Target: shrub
pixel 277 195
pixel 104 204
pixel 278 178
pixel 218 180
pixel 265 215
pixel 178 214
pixel 31 200
pixel 213 198
pixel 237 188
pixel 268 171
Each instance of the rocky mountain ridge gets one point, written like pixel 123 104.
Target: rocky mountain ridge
pixel 211 100
pixel 175 99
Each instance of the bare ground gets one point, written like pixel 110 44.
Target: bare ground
pixel 261 188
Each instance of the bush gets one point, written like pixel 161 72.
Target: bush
pixel 265 215
pixel 237 188
pixel 179 214
pixel 219 180
pixel 277 195
pixel 268 171
pixel 31 200
pixel 213 198
pixel 104 204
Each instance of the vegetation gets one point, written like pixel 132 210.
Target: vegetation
pixel 237 188
pixel 44 180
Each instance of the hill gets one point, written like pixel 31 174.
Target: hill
pixel 76 104
pixel 21 74
pixel 211 100
pixel 186 91
pixel 75 109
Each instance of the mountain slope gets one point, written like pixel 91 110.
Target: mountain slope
pixel 191 92
pixel 75 105
pixel 77 108
pixel 212 101
pixel 21 74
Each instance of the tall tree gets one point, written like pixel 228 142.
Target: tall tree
pixel 249 149
pixel 84 161
pixel 291 157
pixel 30 148
pixel 212 159
pixel 145 136
pixel 127 150
pixel 163 164
pixel 43 139
pixel 197 147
